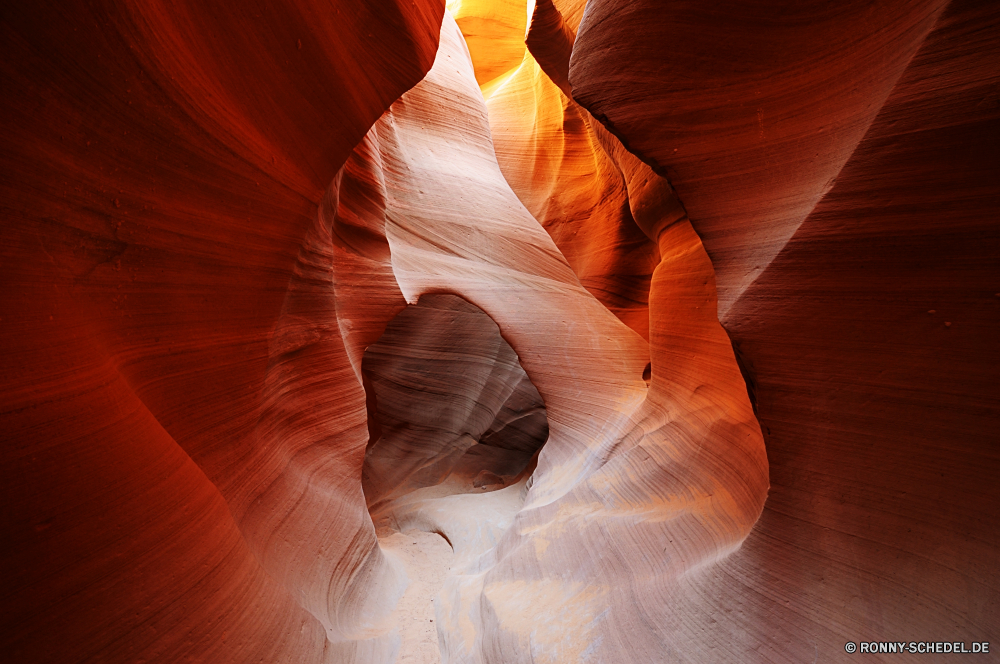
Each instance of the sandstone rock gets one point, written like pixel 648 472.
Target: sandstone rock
pixel 452 403
pixel 269 267
pixel 633 482
pixel 161 165
pixel 750 109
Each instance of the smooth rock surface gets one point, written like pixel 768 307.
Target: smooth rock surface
pixel 452 403
pixel 267 267
pixel 867 339
pixel 879 387
pixel 636 486
pixel 564 167
pixel 750 109
pixel 161 167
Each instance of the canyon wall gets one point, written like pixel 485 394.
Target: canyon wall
pixel 283 280
pixel 867 338
pixel 636 485
pixel 878 386
pixel 750 109
pixel 165 490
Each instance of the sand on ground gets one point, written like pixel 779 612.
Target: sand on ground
pixel 427 558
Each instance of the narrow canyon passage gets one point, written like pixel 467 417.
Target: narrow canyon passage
pixel 499 331
pixel 646 444
pixel 452 403
pixel 427 559
pixel 453 416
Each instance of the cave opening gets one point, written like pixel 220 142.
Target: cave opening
pixel 455 428
pixel 450 406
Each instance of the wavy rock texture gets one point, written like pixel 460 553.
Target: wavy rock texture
pixel 636 486
pixel 879 386
pixel 452 403
pixel 245 249
pixel 868 337
pixel 170 494
pixel 567 171
pixel 750 109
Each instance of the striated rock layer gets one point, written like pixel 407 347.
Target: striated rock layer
pixel 284 283
pixel 568 172
pixel 878 388
pixel 185 355
pixel 452 403
pixel 750 109
pixel 867 139
pixel 860 405
pixel 170 493
pixel 635 487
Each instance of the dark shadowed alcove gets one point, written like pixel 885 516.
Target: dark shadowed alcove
pixel 449 404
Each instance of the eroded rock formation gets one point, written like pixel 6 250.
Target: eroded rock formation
pixel 764 101
pixel 623 463
pixel 285 284
pixel 161 166
pixel 452 403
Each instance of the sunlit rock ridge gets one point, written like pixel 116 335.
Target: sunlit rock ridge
pixel 498 332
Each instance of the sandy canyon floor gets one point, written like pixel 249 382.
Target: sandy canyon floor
pixel 427 558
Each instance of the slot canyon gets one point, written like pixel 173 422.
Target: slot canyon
pixel 499 331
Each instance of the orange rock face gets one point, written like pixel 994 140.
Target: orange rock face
pixel 452 403
pixel 750 110
pixel 285 284
pixel 163 457
pixel 624 462
pixel 865 337
pixel 887 366
pixel 566 169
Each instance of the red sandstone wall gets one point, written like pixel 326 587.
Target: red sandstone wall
pixel 183 417
pixel 750 109
pixel 881 417
pixel 869 336
pixel 161 164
